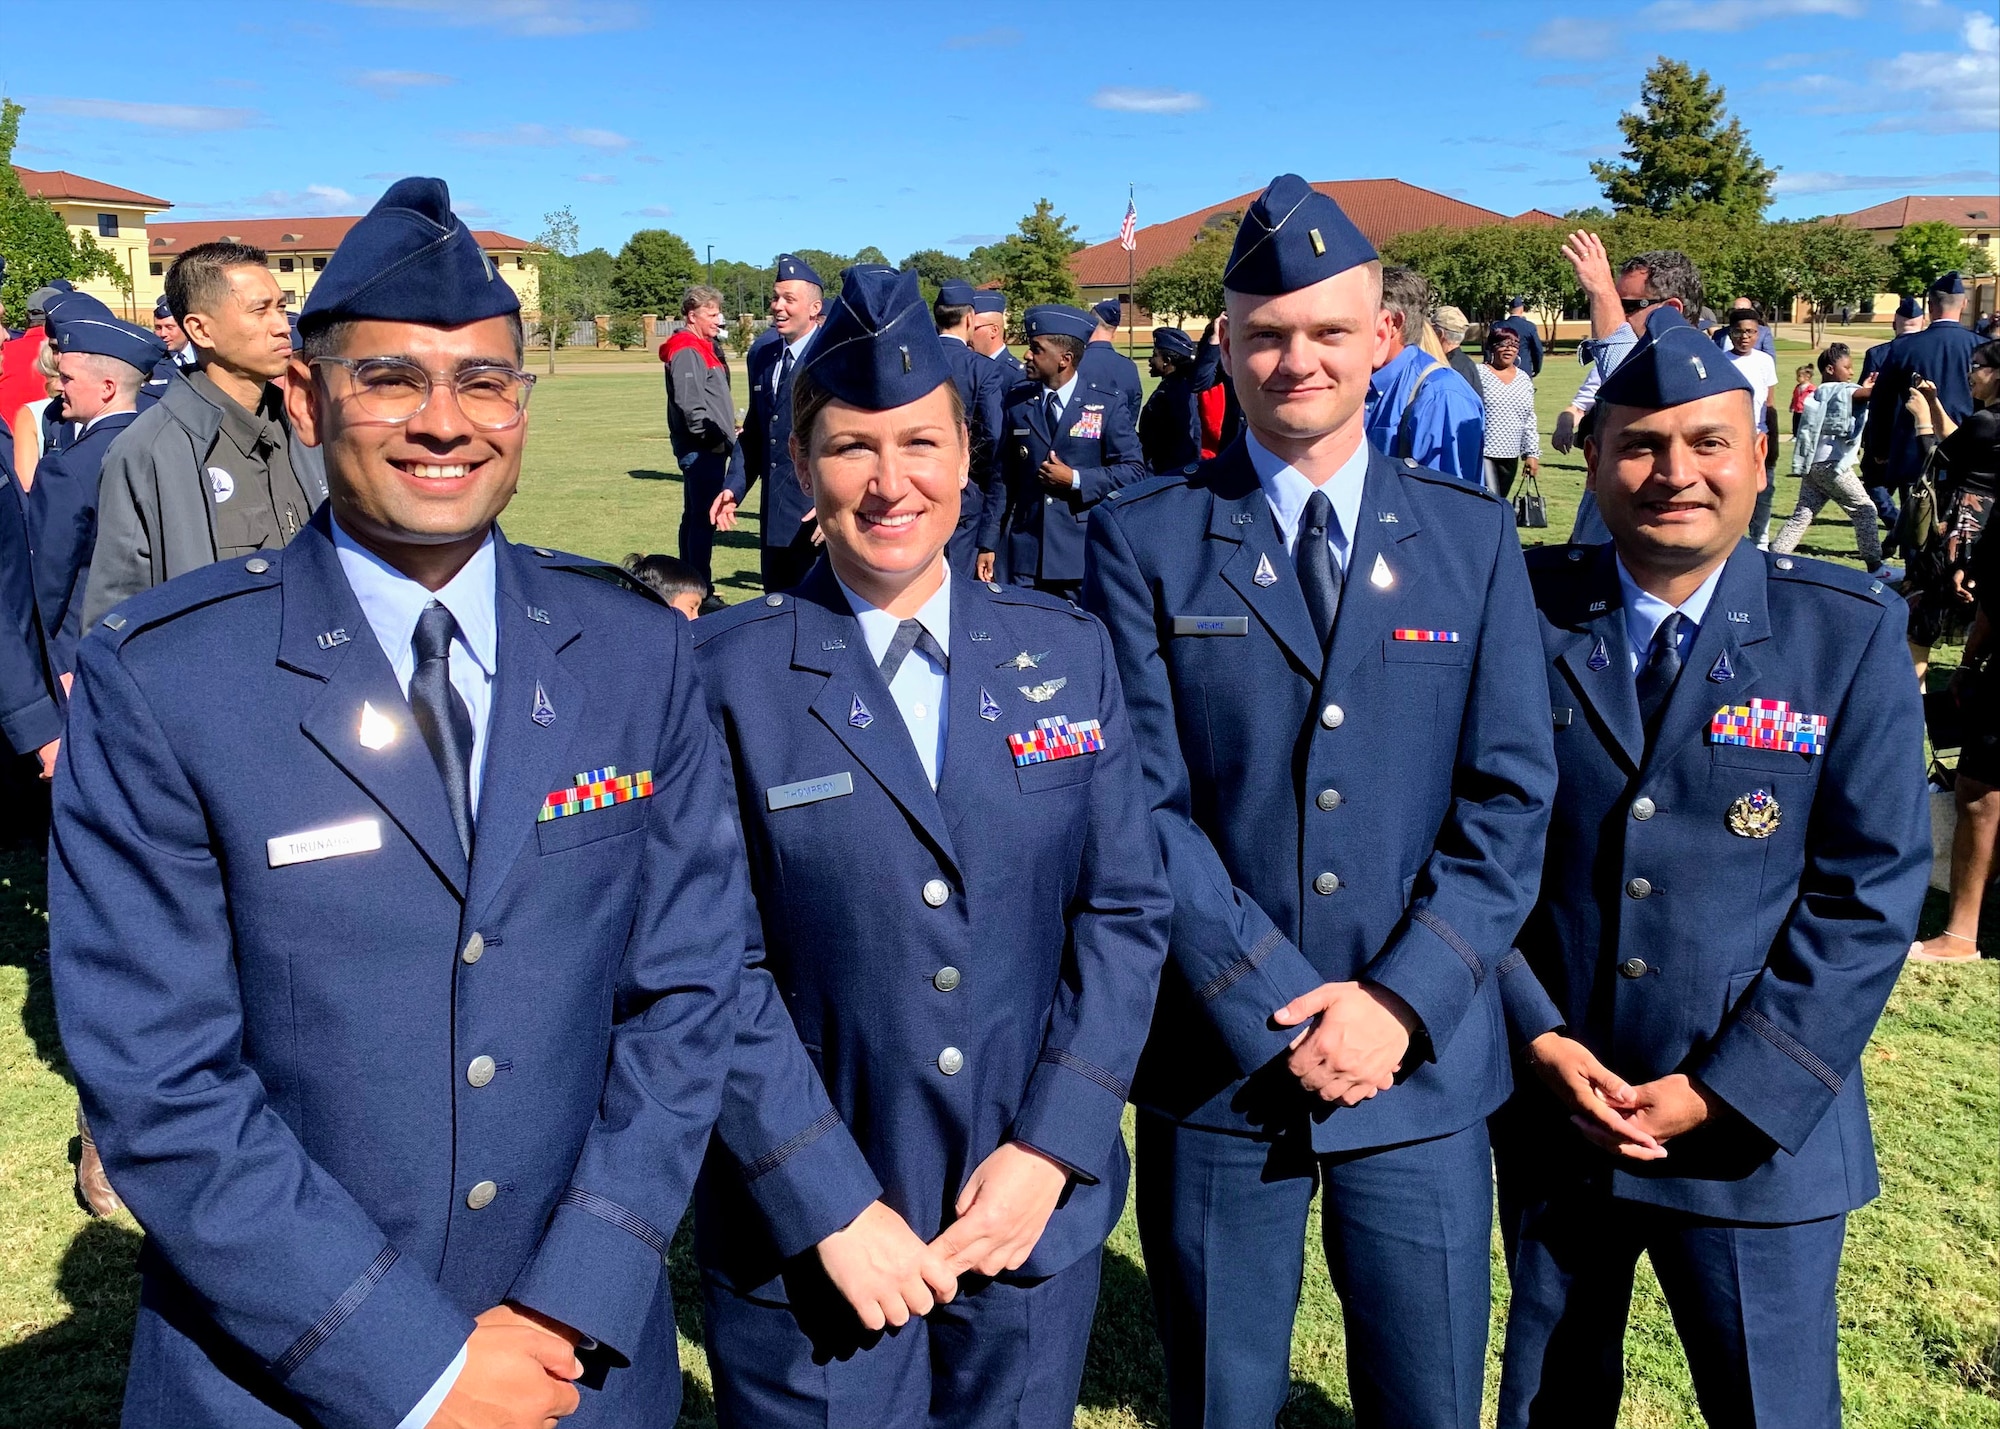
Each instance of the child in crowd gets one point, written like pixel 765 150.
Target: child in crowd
pixel 1804 378
pixel 675 581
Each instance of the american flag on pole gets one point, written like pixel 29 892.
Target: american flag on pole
pixel 1129 229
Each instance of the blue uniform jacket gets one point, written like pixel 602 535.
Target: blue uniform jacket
pixel 1170 424
pixel 30 715
pixel 62 524
pixel 278 1061
pixel 1757 965
pixel 1943 353
pixel 1103 365
pixel 1050 915
pixel 766 446
pixel 1015 371
pixel 982 387
pixel 1375 814
pixel 1046 528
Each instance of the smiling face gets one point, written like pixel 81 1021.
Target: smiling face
pixel 705 321
pixel 1677 486
pixel 795 307
pixel 433 480
pixel 885 486
pixel 1301 361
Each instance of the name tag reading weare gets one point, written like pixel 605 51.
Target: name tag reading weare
pixel 595 789
pixel 1056 738
pixel 358 836
pixel 809 791
pixel 1211 625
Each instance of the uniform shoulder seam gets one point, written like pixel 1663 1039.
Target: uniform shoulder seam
pixel 1830 575
pixel 1140 490
pixel 718 623
pixel 1432 476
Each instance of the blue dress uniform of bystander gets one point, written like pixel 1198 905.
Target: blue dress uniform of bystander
pixel 982 387
pixel 766 451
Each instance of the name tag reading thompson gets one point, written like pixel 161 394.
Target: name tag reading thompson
pixel 1211 625
pixel 809 791
pixel 360 836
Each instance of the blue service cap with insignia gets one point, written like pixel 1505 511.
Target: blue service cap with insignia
pixel 1058 320
pixel 78 322
pixel 1671 364
pixel 410 259
pixel 1909 308
pixel 1292 237
pixel 160 308
pixel 988 300
pixel 1173 342
pixel 792 268
pixel 1110 312
pixel 1948 285
pixel 877 348
pixel 956 292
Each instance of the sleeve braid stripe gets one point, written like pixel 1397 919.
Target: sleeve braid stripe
pixel 617 1215
pixel 1791 1046
pixel 1241 968
pixel 778 1155
pixel 1058 1057
pixel 336 1315
pixel 1449 936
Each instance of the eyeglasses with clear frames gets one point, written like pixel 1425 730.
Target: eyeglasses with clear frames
pixel 393 390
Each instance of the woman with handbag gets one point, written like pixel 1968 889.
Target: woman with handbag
pixel 1512 441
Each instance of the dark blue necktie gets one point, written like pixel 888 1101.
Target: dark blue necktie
pixel 441 714
pixel 1319 575
pixel 910 635
pixel 1055 413
pixel 1662 668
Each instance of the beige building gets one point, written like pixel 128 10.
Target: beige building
pixel 1976 217
pixel 113 218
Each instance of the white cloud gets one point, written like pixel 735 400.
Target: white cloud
pixel 1819 181
pixel 312 201
pixel 1946 92
pixel 540 18
pixel 1572 38
pixel 597 178
pixel 654 210
pixel 1729 16
pixel 471 210
pixel 1130 99
pixel 542 136
pixel 387 82
pixel 156 116
pixel 597 138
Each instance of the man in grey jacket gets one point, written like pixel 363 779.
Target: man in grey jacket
pixel 701 418
pixel 212 469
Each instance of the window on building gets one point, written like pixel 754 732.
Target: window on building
pixel 520 262
pixel 158 268
pixel 287 265
pixel 107 225
pixel 318 263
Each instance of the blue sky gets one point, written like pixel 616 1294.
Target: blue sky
pixel 757 125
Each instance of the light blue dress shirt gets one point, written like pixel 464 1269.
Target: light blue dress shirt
pixel 1643 614
pixel 1287 489
pixel 920 686
pixel 392 602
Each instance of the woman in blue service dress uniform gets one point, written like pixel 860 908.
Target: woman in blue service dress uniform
pixel 919 1155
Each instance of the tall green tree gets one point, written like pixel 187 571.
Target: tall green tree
pixel 591 273
pixel 984 264
pixel 933 266
pixel 1835 266
pixel 1925 252
pixel 556 277
pixel 1683 152
pixel 652 271
pixel 38 245
pixel 868 254
pixel 1190 286
pixel 1034 261
pixel 745 287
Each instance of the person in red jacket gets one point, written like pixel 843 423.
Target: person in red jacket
pixel 701 418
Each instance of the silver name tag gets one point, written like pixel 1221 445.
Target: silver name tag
pixel 360 836
pixel 809 791
pixel 1211 625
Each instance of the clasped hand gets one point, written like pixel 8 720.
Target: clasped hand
pixel 1356 1037
pixel 1627 1121
pixel 517 1373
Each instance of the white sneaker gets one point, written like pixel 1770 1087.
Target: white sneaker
pixel 1765 544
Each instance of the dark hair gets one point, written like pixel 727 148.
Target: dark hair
pixel 1987 354
pixel 1741 315
pixel 1834 352
pixel 1407 292
pixel 197 280
pixel 323 336
pixel 666 576
pixel 809 399
pixel 1063 342
pixel 1670 273
pixel 949 314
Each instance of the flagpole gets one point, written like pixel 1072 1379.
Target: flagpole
pixel 1131 202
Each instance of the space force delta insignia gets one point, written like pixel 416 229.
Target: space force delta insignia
pixel 1769 724
pixel 595 789
pixel 1056 738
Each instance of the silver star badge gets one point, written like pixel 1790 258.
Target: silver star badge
pixel 1024 661
pixel 1044 691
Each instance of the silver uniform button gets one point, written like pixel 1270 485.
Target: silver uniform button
pixel 936 892
pixel 475 949
pixel 1632 967
pixel 1329 799
pixel 995 587
pixel 1332 716
pixel 1642 808
pixel 481 1195
pixel 774 600
pixel 1638 888
pixel 479 1071
pixel 256 565
pixel 951 1061
pixel 1784 563
pixel 945 979
pixel 541 550
pixel 1327 883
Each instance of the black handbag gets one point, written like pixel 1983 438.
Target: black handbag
pixel 1528 508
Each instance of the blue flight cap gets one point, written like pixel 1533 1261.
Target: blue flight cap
pixel 956 292
pixel 1056 319
pixel 1910 307
pixel 80 323
pixel 1671 364
pixel 1292 237
pixel 1948 285
pixel 160 308
pixel 1110 312
pixel 1173 342
pixel 792 268
pixel 988 300
pixel 877 348
pixel 410 259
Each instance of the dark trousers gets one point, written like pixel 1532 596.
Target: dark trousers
pixel 702 475
pixel 1754 1306
pixel 962 551
pixel 1000 1356
pixel 785 566
pixel 1888 512
pixel 1406 1232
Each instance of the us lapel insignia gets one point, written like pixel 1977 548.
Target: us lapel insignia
pixel 1241 518
pixel 544 712
pixel 1265 575
pixel 1722 672
pixel 1755 815
pixel 1045 691
pixel 538 615
pixel 1387 518
pixel 330 638
pixel 1598 659
pixel 378 731
pixel 981 635
pixel 1023 661
pixel 833 644
pixel 1380 577
pixel 1597 606
pixel 858 715
pixel 988 708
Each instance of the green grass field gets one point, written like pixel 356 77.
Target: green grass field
pixel 1920 1290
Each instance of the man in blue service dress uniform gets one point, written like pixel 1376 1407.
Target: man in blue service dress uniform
pixel 1329 658
pixel 1735 865
pixel 788 547
pixel 939 787
pixel 1170 424
pixel 1068 446
pixel 1104 366
pixel 1940 352
pixel 982 386
pixel 989 331
pixel 396 928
